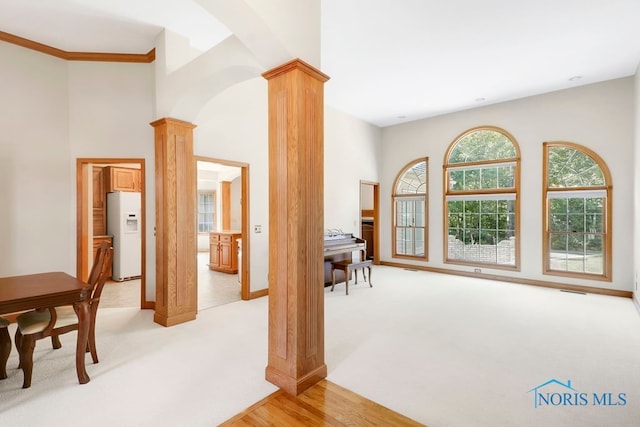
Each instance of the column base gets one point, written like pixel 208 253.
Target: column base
pixel 295 386
pixel 173 320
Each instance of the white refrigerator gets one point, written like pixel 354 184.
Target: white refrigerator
pixel 123 223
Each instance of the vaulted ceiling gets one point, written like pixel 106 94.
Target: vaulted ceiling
pixel 389 61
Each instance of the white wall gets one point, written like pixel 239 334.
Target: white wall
pixel 36 214
pixel 233 126
pixel 110 108
pixel 64 110
pixel 60 111
pixel 351 154
pixel 598 116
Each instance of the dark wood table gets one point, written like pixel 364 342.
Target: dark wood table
pixel 32 291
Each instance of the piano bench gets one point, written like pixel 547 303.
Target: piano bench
pixel 348 266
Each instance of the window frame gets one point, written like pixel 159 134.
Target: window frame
pixel 583 191
pixel 395 197
pixel 510 193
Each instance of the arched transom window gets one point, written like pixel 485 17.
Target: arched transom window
pixel 577 212
pixel 482 178
pixel 410 211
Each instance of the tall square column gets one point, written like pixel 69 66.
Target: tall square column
pixel 176 265
pixel 296 224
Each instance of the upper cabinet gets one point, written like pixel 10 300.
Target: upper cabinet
pixel 122 179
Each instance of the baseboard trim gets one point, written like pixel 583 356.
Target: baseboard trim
pixel 259 294
pixel 518 280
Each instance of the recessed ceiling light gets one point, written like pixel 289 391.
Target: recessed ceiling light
pixel 574 78
pixel 480 99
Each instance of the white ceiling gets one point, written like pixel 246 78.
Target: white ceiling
pixel 389 61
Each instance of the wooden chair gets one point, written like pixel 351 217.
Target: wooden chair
pixel 55 321
pixel 5 347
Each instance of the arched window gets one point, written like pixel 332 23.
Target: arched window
pixel 577 212
pixel 482 180
pixel 410 211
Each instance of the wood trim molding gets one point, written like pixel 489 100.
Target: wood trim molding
pixel 296 64
pixel 259 294
pixel 245 267
pixel 82 225
pixel 78 56
pixel 520 281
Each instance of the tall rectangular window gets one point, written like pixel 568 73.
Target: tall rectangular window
pixel 482 230
pixel 577 210
pixel 576 234
pixel 410 226
pixel 481 172
pixel 410 211
pixel 206 211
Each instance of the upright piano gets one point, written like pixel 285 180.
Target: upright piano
pixel 339 246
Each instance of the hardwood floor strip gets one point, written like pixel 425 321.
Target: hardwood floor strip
pixel 324 404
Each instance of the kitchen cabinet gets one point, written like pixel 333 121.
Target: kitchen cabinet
pixel 98 203
pixel 122 179
pixel 96 242
pixel 223 251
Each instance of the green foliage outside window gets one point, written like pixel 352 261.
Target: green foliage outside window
pixel 482 145
pixel 569 167
pixel 481 173
pixel 577 211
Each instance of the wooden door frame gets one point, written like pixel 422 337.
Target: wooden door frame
pixel 83 248
pixel 376 217
pixel 245 279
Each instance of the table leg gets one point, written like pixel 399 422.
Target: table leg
pixel 82 311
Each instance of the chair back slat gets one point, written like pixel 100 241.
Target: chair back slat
pixel 100 270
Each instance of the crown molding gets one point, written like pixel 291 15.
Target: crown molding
pixel 78 56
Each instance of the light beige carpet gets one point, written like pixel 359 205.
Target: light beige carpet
pixel 443 350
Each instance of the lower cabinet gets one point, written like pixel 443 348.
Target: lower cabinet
pixel 223 251
pixel 96 242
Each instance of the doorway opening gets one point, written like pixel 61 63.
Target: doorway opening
pixel 223 231
pixel 96 178
pixel 369 222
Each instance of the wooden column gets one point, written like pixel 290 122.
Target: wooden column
pixel 176 269
pixel 225 203
pixel 296 214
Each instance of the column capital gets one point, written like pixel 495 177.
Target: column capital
pixel 295 64
pixel 169 120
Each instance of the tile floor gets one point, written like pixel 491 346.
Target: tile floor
pixel 214 289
